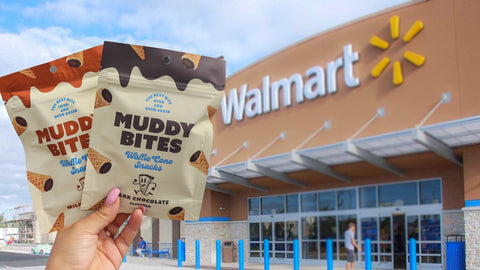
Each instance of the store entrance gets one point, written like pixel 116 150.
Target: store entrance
pixel 399 241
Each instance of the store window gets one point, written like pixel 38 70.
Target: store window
pixel 292 203
pixel 398 194
pixel 292 234
pixel 347 199
pixel 266 231
pixel 254 207
pixel 430 239
pixel 292 230
pixel 369 228
pixel 368 197
pixel 385 225
pixel 343 222
pixel 430 192
pixel 273 205
pixel 254 239
pixel 327 201
pixel 309 238
pixel 309 202
pixel 430 227
pixel 328 230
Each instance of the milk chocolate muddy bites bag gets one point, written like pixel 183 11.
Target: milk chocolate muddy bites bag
pixel 152 131
pixel 51 108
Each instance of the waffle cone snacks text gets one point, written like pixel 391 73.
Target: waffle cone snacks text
pixel 152 131
pixel 50 107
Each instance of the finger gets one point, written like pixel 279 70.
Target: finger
pixel 117 223
pixel 99 219
pixel 125 238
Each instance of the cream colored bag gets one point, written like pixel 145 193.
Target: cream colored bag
pixel 51 108
pixel 152 131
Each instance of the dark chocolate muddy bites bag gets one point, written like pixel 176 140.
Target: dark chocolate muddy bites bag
pixel 51 108
pixel 152 131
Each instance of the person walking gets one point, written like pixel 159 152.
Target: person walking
pixel 350 245
pixel 142 246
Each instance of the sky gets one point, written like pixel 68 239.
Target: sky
pixel 35 32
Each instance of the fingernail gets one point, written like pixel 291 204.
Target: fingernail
pixel 113 195
pixel 142 208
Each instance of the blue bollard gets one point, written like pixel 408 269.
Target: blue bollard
pixel 197 254
pixel 219 255
pixel 296 255
pixel 124 259
pixel 412 250
pixel 329 254
pixel 368 254
pixel 266 255
pixel 241 263
pixel 179 252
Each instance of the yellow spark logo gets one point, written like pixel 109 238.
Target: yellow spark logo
pixel 412 57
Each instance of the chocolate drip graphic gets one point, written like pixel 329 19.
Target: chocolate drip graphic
pixel 123 58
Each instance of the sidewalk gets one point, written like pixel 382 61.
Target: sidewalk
pixel 137 263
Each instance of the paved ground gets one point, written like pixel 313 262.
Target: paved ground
pixel 21 260
pixel 19 257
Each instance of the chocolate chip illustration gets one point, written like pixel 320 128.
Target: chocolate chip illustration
pixel 175 210
pixel 48 184
pixel 105 167
pixel 21 121
pixel 107 95
pixel 75 63
pixel 195 156
pixel 188 63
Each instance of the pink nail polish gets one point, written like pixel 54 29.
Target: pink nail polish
pixel 113 195
pixel 142 208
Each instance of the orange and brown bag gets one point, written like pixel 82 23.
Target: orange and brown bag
pixel 50 107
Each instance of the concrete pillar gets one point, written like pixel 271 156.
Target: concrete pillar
pixel 472 237
pixel 471 162
pixel 175 237
pixel 155 233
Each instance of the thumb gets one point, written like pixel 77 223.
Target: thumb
pixel 99 219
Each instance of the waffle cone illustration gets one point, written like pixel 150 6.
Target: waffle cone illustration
pixel 75 60
pixel 29 73
pixel 59 223
pixel 139 51
pixel 98 204
pixel 103 98
pixel 211 112
pixel 19 124
pixel 101 164
pixel 190 61
pixel 199 161
pixel 42 182
pixel 176 213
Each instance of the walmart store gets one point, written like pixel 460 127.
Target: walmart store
pixel 375 122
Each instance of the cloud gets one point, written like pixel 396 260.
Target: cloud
pixel 242 31
pixel 35 46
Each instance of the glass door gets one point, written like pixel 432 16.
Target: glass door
pixel 284 234
pixel 385 242
pixel 369 229
pixel 280 234
pixel 399 242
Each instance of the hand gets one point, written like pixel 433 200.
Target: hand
pixel 85 244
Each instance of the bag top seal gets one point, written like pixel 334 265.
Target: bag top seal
pixel 46 77
pixel 154 63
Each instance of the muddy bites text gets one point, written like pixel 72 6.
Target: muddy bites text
pixel 56 139
pixel 152 125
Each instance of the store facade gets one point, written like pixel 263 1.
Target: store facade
pixel 376 122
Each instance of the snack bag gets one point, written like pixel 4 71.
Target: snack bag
pixel 152 131
pixel 51 108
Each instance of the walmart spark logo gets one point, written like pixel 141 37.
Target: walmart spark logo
pixel 412 57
